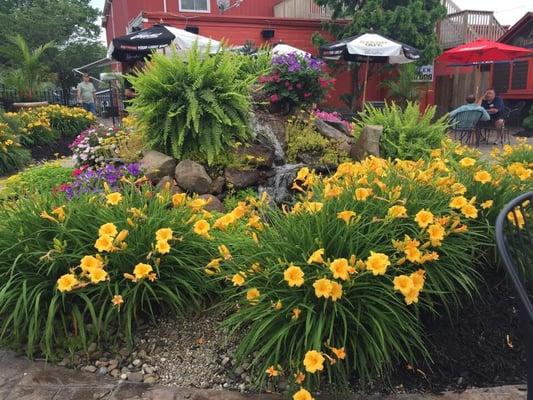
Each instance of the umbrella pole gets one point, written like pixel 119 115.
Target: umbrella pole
pixel 478 79
pixel 365 83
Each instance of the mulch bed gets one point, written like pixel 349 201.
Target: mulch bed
pixel 480 346
pixel 52 151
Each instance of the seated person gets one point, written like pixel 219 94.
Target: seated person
pixel 495 107
pixel 470 106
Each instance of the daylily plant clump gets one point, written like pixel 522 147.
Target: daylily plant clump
pixel 343 270
pixel 327 288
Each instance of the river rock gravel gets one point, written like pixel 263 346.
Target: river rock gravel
pixel 193 352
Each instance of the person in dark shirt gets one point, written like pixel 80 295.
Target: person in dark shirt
pixel 129 90
pixel 495 107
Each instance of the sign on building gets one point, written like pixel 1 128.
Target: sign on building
pixel 424 73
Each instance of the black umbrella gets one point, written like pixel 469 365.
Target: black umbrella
pixel 137 45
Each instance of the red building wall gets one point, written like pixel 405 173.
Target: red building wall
pixel 237 26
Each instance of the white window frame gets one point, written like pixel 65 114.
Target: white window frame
pixel 208 11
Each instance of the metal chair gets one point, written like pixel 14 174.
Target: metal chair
pixel 464 125
pixel 514 237
pixel 502 135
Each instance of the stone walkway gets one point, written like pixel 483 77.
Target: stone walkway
pixel 21 379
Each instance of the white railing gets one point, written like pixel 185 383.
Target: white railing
pixel 306 9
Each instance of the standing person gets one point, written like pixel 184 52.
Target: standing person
pixel 87 94
pixel 495 107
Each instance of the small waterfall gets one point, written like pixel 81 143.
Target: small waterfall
pixel 278 185
pixel 265 134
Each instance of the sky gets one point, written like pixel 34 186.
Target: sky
pixel 507 12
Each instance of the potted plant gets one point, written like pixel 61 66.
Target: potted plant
pixel 27 72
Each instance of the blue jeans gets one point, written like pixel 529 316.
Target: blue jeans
pixel 91 107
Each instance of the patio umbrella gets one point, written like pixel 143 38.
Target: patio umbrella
pixel 482 51
pixel 370 48
pixel 281 49
pixel 137 45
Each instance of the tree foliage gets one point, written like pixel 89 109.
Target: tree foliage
pixel 70 24
pixel 28 71
pixel 408 21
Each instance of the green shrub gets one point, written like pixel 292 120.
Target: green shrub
pixel 373 206
pixel 43 178
pixel 407 134
pixel 12 156
pixel 304 140
pixel 528 121
pixel 51 296
pixel 194 103
pixel 14 159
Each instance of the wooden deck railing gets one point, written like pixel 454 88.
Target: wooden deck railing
pixel 461 27
pixel 306 9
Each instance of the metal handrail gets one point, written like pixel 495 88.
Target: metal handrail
pixel 503 247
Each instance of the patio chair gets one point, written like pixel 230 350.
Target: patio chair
pixel 514 117
pixel 464 126
pixel 514 237
pixel 502 135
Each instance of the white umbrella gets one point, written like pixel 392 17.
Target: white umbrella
pixel 370 47
pixel 281 49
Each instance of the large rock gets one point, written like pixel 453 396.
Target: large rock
pixel 242 178
pixel 269 130
pixel 192 177
pixel 342 141
pixel 256 154
pixel 213 203
pixel 368 143
pixel 157 165
pixel 218 185
pixel 341 127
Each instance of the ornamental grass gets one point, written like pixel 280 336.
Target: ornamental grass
pixel 89 269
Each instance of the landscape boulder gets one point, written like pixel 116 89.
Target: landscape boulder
pixel 218 185
pixel 157 165
pixel 256 154
pixel 342 141
pixel 368 143
pixel 192 177
pixel 213 203
pixel 242 178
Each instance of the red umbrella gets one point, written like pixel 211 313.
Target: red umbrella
pixel 481 51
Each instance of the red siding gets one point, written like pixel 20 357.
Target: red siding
pixel 237 26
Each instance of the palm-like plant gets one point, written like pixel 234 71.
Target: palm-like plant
pixel 28 70
pixel 402 89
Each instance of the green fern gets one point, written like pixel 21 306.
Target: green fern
pixel 196 103
pixel 408 133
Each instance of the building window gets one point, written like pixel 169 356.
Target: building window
pixel 195 5
pixel 500 77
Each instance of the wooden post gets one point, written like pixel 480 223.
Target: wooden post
pixel 365 83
